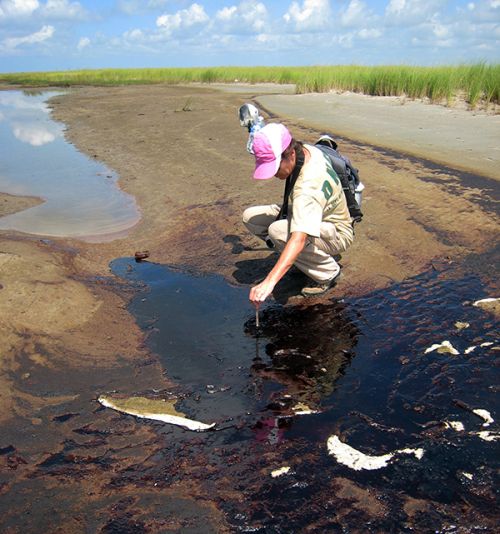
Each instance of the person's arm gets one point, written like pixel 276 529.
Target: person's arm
pixel 293 248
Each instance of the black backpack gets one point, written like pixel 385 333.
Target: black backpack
pixel 348 175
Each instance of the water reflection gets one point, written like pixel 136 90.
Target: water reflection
pixel 28 118
pixel 81 197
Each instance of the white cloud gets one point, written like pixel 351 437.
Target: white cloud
pixel 367 33
pixel 312 15
pixel 33 134
pixel 20 102
pixel 440 31
pixel 61 9
pixel 345 40
pixel 227 13
pixel 412 11
pixel 484 11
pixel 38 37
pixel 51 9
pixel 396 7
pixel 17 8
pixel 260 31
pixel 266 38
pixel 83 43
pixel 248 16
pixel 183 19
pixel 354 14
pixel 403 33
pixel 23 113
pixel 134 35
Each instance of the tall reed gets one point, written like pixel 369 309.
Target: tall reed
pixel 479 82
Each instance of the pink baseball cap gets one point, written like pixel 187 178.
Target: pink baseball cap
pixel 268 145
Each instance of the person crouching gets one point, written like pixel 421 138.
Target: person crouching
pixel 312 225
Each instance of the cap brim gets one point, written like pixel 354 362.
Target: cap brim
pixel 264 171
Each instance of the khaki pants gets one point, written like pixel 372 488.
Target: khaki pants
pixel 316 259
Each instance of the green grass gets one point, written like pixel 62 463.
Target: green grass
pixel 476 83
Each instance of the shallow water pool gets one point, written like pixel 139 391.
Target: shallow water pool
pixel 81 196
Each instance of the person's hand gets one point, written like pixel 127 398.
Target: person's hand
pixel 293 247
pixel 260 292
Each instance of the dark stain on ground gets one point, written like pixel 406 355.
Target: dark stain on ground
pixel 441 235
pixel 208 343
pixel 361 365
pixel 482 191
pixel 356 367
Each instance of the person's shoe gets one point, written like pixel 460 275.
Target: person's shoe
pixel 314 289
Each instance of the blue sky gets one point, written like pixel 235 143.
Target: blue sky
pixel 66 34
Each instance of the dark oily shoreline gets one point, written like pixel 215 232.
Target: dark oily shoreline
pixel 77 338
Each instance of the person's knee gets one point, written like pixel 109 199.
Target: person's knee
pixel 247 215
pixel 278 233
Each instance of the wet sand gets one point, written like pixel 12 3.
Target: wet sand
pixel 13 203
pixel 181 152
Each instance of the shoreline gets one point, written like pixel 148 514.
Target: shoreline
pixel 67 335
pixel 88 138
pixel 454 136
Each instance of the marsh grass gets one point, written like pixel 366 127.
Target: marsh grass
pixel 477 83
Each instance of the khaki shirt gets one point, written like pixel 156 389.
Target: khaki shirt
pixel 318 197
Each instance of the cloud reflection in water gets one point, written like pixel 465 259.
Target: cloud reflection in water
pixel 81 196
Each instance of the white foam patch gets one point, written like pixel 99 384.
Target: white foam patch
pixel 484 301
pixel 280 472
pixel 458 426
pixel 303 409
pixel 357 460
pixel 484 415
pixel 445 346
pixel 486 435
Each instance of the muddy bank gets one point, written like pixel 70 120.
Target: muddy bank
pixel 66 334
pixel 14 203
pixel 181 153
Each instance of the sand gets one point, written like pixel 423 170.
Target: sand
pixel 453 136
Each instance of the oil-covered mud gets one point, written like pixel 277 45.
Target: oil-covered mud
pixel 354 372
pixel 356 369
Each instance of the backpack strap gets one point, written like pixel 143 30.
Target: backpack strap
pixel 290 182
